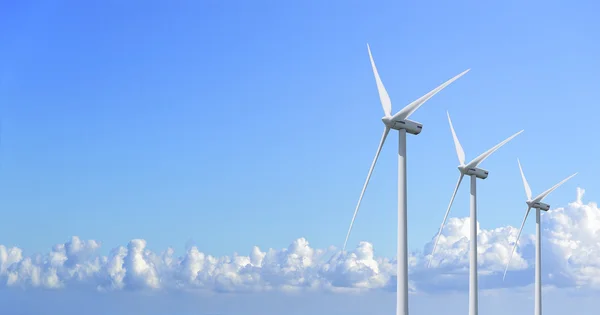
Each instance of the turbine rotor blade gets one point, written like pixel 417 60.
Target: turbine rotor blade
pixel 385 133
pixel 527 189
pixel 476 161
pixel 412 107
pixel 517 241
pixel 545 193
pixel 445 217
pixel 386 102
pixel 459 150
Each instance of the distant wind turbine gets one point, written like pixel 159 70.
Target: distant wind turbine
pixel 537 204
pixel 399 122
pixel 471 170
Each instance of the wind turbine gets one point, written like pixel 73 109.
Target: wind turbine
pixel 399 122
pixel 537 204
pixel 472 170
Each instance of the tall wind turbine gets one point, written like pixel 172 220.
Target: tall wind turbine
pixel 399 122
pixel 537 204
pixel 472 170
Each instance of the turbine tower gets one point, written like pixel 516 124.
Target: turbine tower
pixel 399 122
pixel 472 170
pixel 537 204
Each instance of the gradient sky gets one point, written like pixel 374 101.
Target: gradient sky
pixel 233 124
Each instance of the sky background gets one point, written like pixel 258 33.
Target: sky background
pixel 228 124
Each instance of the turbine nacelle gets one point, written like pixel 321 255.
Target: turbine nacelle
pixel 478 172
pixel 538 205
pixel 410 126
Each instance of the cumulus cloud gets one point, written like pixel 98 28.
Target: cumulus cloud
pixel 570 249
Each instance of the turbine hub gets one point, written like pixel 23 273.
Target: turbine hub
pixel 387 120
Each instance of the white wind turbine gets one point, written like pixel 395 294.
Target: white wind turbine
pixel 472 170
pixel 399 122
pixel 537 204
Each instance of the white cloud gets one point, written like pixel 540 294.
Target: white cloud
pixel 570 251
pixel 571 259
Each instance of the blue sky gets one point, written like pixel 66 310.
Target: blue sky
pixel 232 124
pixel 219 121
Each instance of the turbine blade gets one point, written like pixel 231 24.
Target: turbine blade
pixel 445 217
pixel 487 153
pixel 517 241
pixel 527 189
pixel 459 150
pixel 545 193
pixel 385 133
pixel 412 107
pixel 386 102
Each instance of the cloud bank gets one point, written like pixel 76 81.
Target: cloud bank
pixel 571 256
